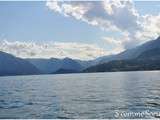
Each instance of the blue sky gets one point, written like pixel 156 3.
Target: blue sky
pixel 36 22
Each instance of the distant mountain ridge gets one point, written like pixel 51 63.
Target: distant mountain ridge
pixel 143 57
pixel 52 65
pixel 152 54
pixel 10 65
pixel 148 60
pixel 131 53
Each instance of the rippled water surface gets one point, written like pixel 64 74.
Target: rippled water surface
pixel 94 95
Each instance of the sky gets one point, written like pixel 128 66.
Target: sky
pixel 79 30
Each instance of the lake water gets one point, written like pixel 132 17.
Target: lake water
pixel 94 95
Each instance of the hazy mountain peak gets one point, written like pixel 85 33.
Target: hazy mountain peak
pixel 67 58
pixel 158 38
pixel 10 65
pixel 131 53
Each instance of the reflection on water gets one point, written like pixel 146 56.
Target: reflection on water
pixel 94 95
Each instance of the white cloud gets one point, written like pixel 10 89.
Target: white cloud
pixel 112 15
pixel 115 44
pixel 52 49
pixel 151 27
pixel 112 41
pixel 115 15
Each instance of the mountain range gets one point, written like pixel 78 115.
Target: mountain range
pixel 131 53
pixel 52 65
pixel 143 57
pixel 11 65
pixel 148 60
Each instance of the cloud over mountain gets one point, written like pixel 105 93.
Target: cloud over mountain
pixel 112 15
pixel 52 49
